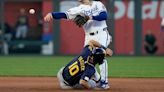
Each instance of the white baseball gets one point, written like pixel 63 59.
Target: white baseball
pixel 31 11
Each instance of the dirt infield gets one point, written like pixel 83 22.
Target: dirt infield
pixel 50 84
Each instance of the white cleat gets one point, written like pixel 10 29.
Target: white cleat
pixel 104 85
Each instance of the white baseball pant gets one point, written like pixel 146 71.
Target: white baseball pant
pixel 103 37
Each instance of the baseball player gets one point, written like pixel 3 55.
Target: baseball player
pixel 162 25
pixel 92 16
pixel 81 72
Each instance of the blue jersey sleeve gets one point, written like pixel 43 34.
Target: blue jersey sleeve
pixel 87 51
pixel 88 73
pixel 59 15
pixel 102 16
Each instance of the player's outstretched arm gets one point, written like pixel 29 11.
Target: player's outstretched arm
pixel 85 84
pixel 88 84
pixel 94 43
pixel 54 15
pixel 48 17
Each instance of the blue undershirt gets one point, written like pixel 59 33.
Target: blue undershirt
pixel 102 16
pixel 59 15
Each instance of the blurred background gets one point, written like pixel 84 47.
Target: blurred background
pixel 133 24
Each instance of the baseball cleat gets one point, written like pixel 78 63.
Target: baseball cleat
pixel 104 85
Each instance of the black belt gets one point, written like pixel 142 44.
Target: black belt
pixel 94 33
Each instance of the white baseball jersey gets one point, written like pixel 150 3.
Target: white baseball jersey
pixel 89 10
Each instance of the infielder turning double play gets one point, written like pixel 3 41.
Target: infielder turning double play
pixel 92 16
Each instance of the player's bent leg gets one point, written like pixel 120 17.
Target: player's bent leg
pixel 105 41
pixel 96 76
pixel 63 85
pixel 104 70
pixel 104 75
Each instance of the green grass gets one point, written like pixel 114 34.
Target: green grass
pixel 136 67
pixel 48 66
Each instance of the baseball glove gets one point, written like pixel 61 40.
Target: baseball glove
pixel 81 20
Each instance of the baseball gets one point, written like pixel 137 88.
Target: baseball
pixel 31 11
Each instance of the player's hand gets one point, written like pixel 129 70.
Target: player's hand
pixel 109 52
pixel 48 17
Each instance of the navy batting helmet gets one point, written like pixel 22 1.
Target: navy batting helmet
pixel 98 55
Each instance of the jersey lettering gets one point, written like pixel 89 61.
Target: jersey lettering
pixel 81 60
pixel 74 68
pixel 91 11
